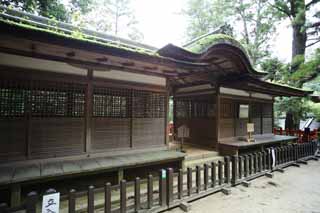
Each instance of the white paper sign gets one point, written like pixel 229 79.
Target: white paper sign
pixel 51 203
pixel 273 157
pixel 250 127
pixel 183 131
pixel 163 174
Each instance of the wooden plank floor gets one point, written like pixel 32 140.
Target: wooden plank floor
pixel 37 170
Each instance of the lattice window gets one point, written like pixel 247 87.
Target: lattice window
pixel 227 110
pixel 183 108
pixel 110 102
pixel 148 104
pixel 187 108
pixel 255 109
pixel 57 99
pixel 267 110
pixel 13 98
pixel 41 99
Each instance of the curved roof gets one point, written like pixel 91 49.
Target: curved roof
pixel 223 52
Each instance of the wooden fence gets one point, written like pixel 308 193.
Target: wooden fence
pixel 171 188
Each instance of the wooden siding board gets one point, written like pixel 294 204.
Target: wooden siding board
pixel 13 141
pixel 241 127
pixel 51 137
pixel 267 125
pixel 148 132
pixel 110 133
pixel 257 125
pixel 226 127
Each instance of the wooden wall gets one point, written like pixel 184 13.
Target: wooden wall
pixel 48 115
pixel 197 113
pixel 260 113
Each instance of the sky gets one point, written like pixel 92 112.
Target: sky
pixel 161 23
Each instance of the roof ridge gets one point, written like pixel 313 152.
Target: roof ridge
pixel 16 15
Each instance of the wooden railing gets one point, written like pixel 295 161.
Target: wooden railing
pixel 303 136
pixel 171 188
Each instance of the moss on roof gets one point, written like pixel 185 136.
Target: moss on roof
pixel 203 44
pixel 77 35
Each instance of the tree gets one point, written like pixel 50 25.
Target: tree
pixel 205 16
pixel 114 16
pixel 47 8
pixel 255 18
pixel 258 21
pixel 304 32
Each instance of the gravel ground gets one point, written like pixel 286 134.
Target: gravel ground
pixel 296 190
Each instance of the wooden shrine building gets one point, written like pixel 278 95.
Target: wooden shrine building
pixel 76 103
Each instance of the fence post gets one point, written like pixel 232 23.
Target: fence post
pixel 162 187
pixel 189 181
pixel 150 191
pixel 198 180
pixel 295 151
pixel 137 199
pixel 107 198
pixel 220 175
pixel 227 169
pixel 251 157
pixel 123 196
pixel 213 174
pixel 169 186
pixel 290 153
pixel 255 162
pixel 246 166
pixel 31 204
pixel 90 199
pixel 205 176
pixel 260 161
pixel 268 160
pixel 240 167
pixel 3 207
pixel 180 184
pixel 264 160
pixel 235 174
pixel 277 152
pixel 72 201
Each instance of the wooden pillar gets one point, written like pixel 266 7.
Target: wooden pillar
pixel 272 114
pixel 15 195
pixel 174 114
pixel 166 111
pixel 120 175
pixel 88 110
pixel 131 111
pixel 218 114
pixel 28 111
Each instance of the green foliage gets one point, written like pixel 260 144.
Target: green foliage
pixel 255 20
pixel 276 69
pixel 47 8
pixel 295 105
pixel 306 71
pixel 205 16
pixel 114 17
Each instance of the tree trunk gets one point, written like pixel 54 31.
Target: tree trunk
pixel 299 39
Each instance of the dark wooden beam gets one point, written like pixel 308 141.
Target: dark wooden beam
pixel 88 112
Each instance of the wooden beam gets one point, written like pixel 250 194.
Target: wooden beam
pixel 218 115
pixel 88 112
pixel 166 110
